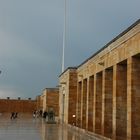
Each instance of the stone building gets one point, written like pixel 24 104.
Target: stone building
pixel 39 102
pixel 108 89
pixel 17 105
pixel 50 100
pixel 68 96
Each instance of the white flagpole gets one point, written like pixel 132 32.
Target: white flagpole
pixel 64 37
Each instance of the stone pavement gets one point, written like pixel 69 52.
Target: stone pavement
pixel 27 128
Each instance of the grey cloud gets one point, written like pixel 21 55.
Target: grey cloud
pixel 31 38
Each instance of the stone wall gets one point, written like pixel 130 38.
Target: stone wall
pixel 16 105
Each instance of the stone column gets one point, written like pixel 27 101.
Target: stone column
pixel 79 104
pixel 90 103
pixel 87 103
pixel 84 105
pixel 72 98
pixel 135 100
pixel 103 102
pixel 129 96
pixel 98 116
pixel 121 101
pixel 107 102
pixel 94 103
pixel 114 101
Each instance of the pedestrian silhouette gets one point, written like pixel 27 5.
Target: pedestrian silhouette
pixel 12 115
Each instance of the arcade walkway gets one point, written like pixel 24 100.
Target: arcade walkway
pixel 27 128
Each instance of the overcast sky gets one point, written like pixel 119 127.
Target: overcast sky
pixel 31 38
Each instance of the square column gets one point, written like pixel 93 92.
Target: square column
pixel 121 101
pixel 129 97
pixel 103 102
pixel 84 105
pixel 94 103
pixel 134 100
pixel 98 107
pixel 107 102
pixel 90 103
pixel 79 100
pixel 87 103
pixel 114 101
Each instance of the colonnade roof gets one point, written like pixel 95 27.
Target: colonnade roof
pixel 51 89
pixel 69 68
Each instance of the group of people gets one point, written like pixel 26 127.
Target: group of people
pixel 14 115
pixel 45 114
pixel 37 114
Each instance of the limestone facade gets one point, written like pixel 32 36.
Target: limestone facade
pixel 39 100
pixel 68 96
pixel 108 89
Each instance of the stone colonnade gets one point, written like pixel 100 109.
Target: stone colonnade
pixel 108 89
pixel 109 101
pixel 108 92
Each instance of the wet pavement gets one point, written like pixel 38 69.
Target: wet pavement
pixel 28 128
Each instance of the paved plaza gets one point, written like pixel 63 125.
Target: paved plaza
pixel 27 128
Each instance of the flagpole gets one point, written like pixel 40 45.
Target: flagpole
pixel 64 37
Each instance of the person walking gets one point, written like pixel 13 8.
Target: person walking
pixel 12 115
pixel 15 115
pixel 34 114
